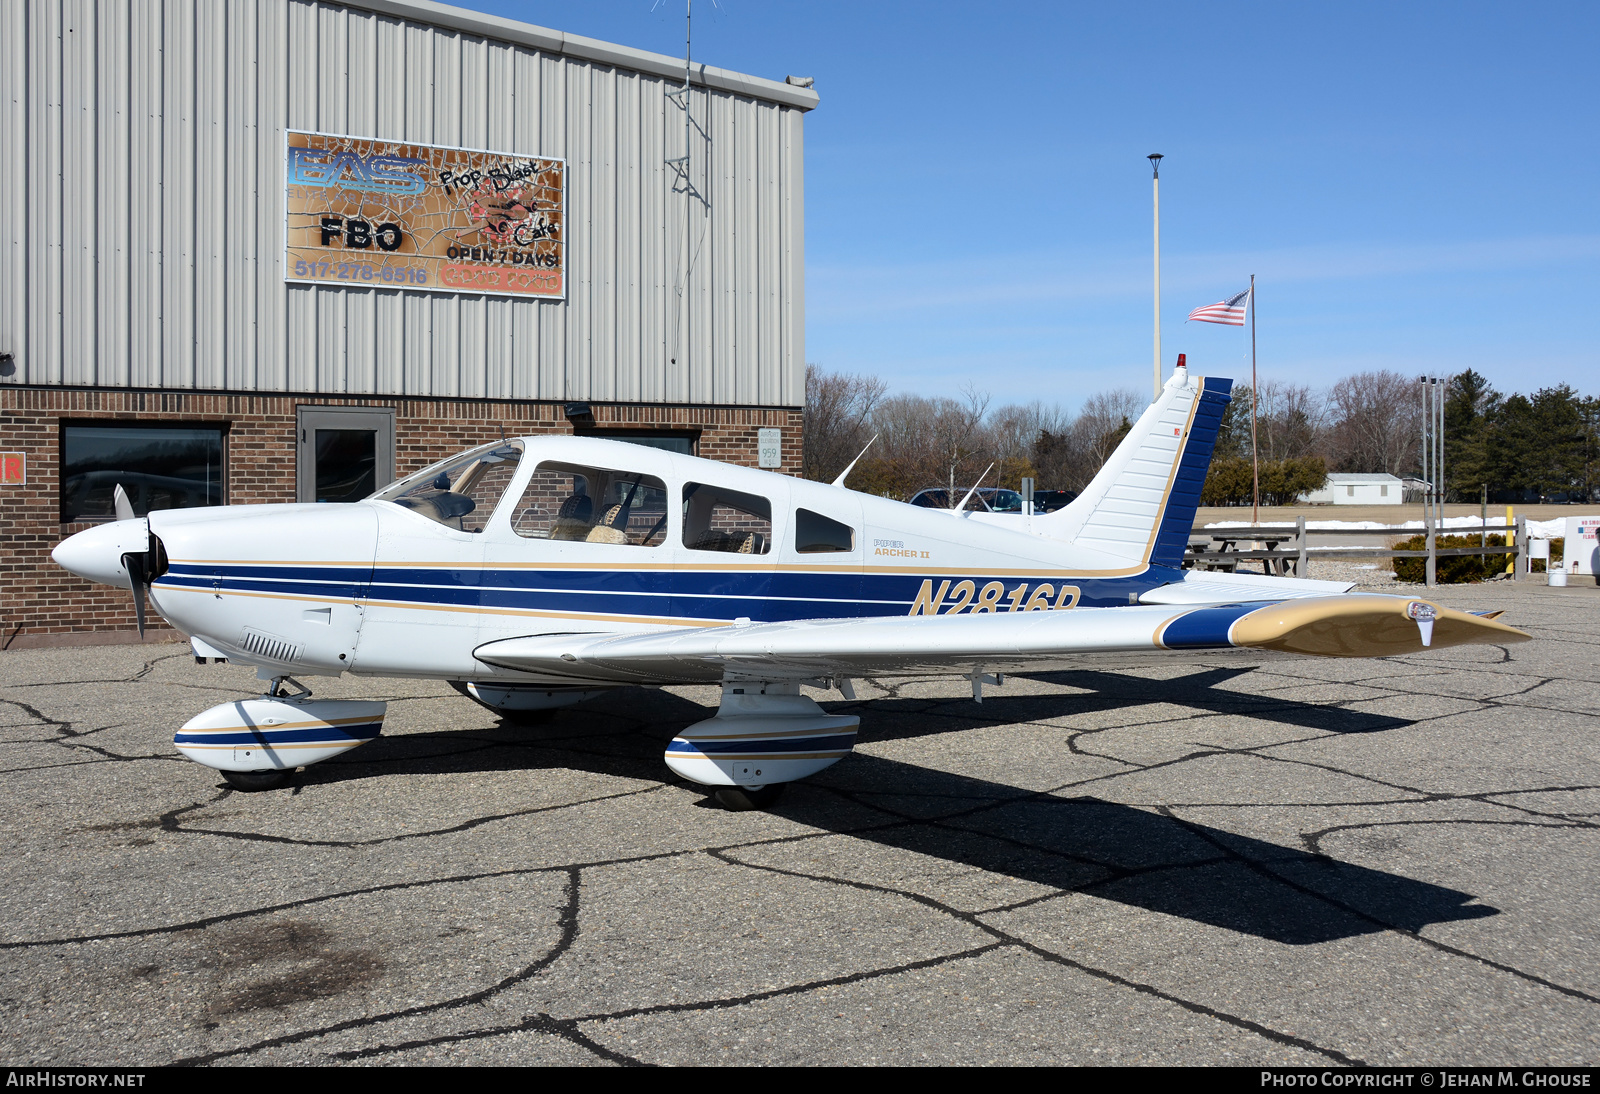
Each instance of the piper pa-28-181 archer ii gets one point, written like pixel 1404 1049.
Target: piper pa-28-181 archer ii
pixel 538 572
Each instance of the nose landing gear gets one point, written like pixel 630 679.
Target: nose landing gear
pixel 258 743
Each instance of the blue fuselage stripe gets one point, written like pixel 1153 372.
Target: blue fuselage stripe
pixel 761 595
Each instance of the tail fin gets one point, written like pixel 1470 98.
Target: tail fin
pixel 1141 505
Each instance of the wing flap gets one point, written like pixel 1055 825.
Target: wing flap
pixel 1221 588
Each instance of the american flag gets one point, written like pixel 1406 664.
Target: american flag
pixel 1229 311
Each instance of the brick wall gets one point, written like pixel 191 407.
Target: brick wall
pixel 44 605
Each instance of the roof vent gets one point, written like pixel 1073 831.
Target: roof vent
pixel 800 81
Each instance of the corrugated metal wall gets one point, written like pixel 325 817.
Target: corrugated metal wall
pixel 144 218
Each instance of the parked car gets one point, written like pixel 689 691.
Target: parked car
pixel 1048 501
pixel 994 499
pixel 998 500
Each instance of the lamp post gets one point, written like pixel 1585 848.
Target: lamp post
pixel 1435 389
pixel 1155 159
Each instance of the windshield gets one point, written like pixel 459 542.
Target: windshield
pixel 462 491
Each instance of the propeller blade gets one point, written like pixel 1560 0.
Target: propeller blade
pixel 133 562
pixel 124 507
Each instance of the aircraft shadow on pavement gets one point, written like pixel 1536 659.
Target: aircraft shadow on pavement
pixel 1103 849
pixel 901 719
pixel 1136 857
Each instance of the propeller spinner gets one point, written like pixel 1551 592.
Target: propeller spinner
pixel 144 566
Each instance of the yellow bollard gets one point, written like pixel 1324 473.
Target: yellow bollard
pixel 1511 560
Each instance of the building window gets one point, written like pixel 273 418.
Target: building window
pixel 680 443
pixel 159 467
pixel 1349 491
pixel 1383 491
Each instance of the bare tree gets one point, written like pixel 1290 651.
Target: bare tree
pixel 837 413
pixel 1376 420
pixel 1107 416
pixel 1289 421
pixel 925 442
pixel 1023 443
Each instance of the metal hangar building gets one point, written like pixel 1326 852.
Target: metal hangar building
pixel 280 250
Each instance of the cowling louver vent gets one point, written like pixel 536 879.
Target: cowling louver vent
pixel 269 646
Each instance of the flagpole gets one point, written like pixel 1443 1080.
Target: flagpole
pixel 1155 168
pixel 1255 401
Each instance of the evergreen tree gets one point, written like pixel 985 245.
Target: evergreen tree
pixel 1537 444
pixel 1589 412
pixel 1469 410
pixel 1233 432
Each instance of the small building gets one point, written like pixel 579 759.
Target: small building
pixel 1352 489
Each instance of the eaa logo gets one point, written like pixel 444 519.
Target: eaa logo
pixel 348 171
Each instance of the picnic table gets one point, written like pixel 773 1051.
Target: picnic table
pixel 1222 551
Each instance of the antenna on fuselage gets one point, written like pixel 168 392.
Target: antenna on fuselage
pixel 958 510
pixel 845 473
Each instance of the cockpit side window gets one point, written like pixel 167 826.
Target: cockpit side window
pixel 815 534
pixel 575 503
pixel 718 519
pixel 462 492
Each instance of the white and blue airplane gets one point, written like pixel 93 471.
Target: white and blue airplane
pixel 538 572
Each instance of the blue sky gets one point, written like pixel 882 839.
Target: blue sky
pixel 1413 185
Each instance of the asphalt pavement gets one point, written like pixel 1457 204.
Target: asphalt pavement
pixel 1197 858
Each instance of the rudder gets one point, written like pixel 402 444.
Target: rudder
pixel 1142 503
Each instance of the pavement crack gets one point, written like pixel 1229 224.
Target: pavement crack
pixel 565 1028
pixel 464 826
pixel 1005 938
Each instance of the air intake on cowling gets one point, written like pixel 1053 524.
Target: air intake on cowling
pixel 269 646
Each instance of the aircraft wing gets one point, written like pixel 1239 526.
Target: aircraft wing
pixel 1358 625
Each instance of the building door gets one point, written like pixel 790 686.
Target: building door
pixel 343 453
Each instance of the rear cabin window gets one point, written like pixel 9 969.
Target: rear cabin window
pixel 718 519
pixel 575 503
pixel 815 534
pixel 461 492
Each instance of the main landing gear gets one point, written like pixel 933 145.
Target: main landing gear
pixel 764 735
